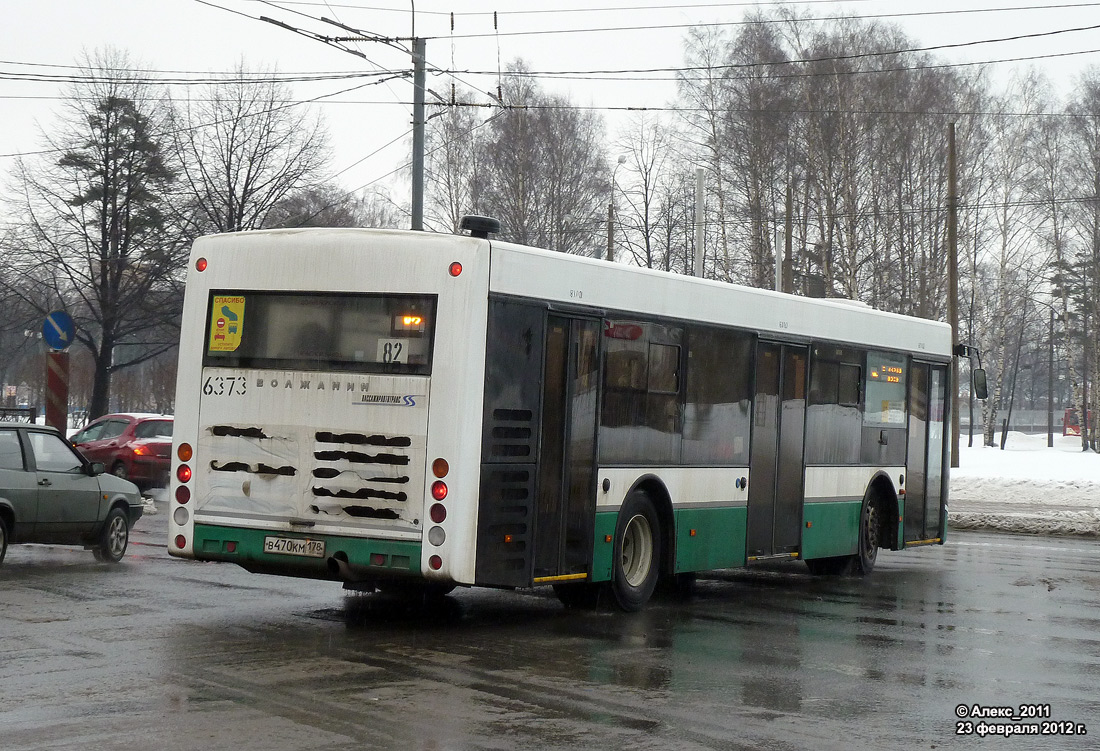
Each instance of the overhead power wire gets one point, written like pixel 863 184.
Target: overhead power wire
pixel 724 24
pixel 635 7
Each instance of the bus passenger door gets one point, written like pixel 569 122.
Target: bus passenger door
pixel 565 509
pixel 926 451
pixel 778 433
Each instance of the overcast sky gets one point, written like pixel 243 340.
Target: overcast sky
pixel 190 36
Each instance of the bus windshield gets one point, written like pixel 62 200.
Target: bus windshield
pixel 320 331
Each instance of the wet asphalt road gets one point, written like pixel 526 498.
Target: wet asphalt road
pixel 157 653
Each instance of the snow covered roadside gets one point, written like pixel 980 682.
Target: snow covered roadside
pixel 1028 487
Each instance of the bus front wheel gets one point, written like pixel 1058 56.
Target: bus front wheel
pixel 637 552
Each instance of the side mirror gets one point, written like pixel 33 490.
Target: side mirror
pixel 980 389
pixel 95 469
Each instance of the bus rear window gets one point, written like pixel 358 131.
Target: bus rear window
pixel 321 331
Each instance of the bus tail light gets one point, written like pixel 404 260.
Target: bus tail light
pixel 456 268
pixel 438 513
pixel 435 563
pixel 440 468
pixel 184 452
pixel 439 490
pixel 181 542
pixel 201 264
pixel 183 494
pixel 183 473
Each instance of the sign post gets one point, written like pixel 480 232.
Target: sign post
pixel 58 331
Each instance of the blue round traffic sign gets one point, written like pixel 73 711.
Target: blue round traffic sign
pixel 58 330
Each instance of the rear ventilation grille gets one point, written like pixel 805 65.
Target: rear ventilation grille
pixel 512 435
pixel 505 520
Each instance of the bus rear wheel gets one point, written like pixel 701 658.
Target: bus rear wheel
pixel 870 528
pixel 637 553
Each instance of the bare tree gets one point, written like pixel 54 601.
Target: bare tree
pixel 329 205
pixel 92 236
pixel 451 163
pixel 244 146
pixel 543 173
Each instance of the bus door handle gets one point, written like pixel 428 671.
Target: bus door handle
pixel 45 481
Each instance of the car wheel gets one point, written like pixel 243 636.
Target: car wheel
pixel 119 470
pixel 3 539
pixel 114 538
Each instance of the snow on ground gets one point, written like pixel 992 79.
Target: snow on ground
pixel 1028 487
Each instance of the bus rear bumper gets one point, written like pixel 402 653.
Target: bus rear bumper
pixel 331 557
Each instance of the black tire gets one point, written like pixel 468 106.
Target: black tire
pixel 870 534
pixel 3 539
pixel 413 589
pixel 579 595
pixel 119 470
pixel 114 538
pixel 830 566
pixel 637 555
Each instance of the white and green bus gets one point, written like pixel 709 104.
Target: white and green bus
pixel 417 411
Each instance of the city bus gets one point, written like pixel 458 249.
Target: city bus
pixel 410 412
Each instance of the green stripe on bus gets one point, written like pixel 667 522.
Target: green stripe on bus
pixel 213 543
pixel 710 538
pixel 830 529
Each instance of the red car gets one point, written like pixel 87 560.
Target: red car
pixel 136 447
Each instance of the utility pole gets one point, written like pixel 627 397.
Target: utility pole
pixel 418 55
pixel 953 287
pixel 788 232
pixel 699 206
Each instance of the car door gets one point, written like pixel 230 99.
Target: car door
pixel 18 485
pixel 99 441
pixel 69 499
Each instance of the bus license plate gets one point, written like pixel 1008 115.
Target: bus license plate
pixel 292 546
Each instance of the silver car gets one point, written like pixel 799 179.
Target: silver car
pixel 49 493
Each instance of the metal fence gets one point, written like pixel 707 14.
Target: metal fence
pixel 19 414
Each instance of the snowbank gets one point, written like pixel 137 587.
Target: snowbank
pixel 1028 487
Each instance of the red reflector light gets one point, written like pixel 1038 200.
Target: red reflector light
pixel 181 542
pixel 183 473
pixel 183 494
pixel 438 513
pixel 440 468
pixel 377 559
pixel 439 490
pixel 456 268
pixel 231 547
pixel 184 452
pixel 435 562
pixel 200 265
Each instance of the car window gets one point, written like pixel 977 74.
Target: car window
pixel 51 454
pixel 113 429
pixel 11 454
pixel 153 429
pixel 90 433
